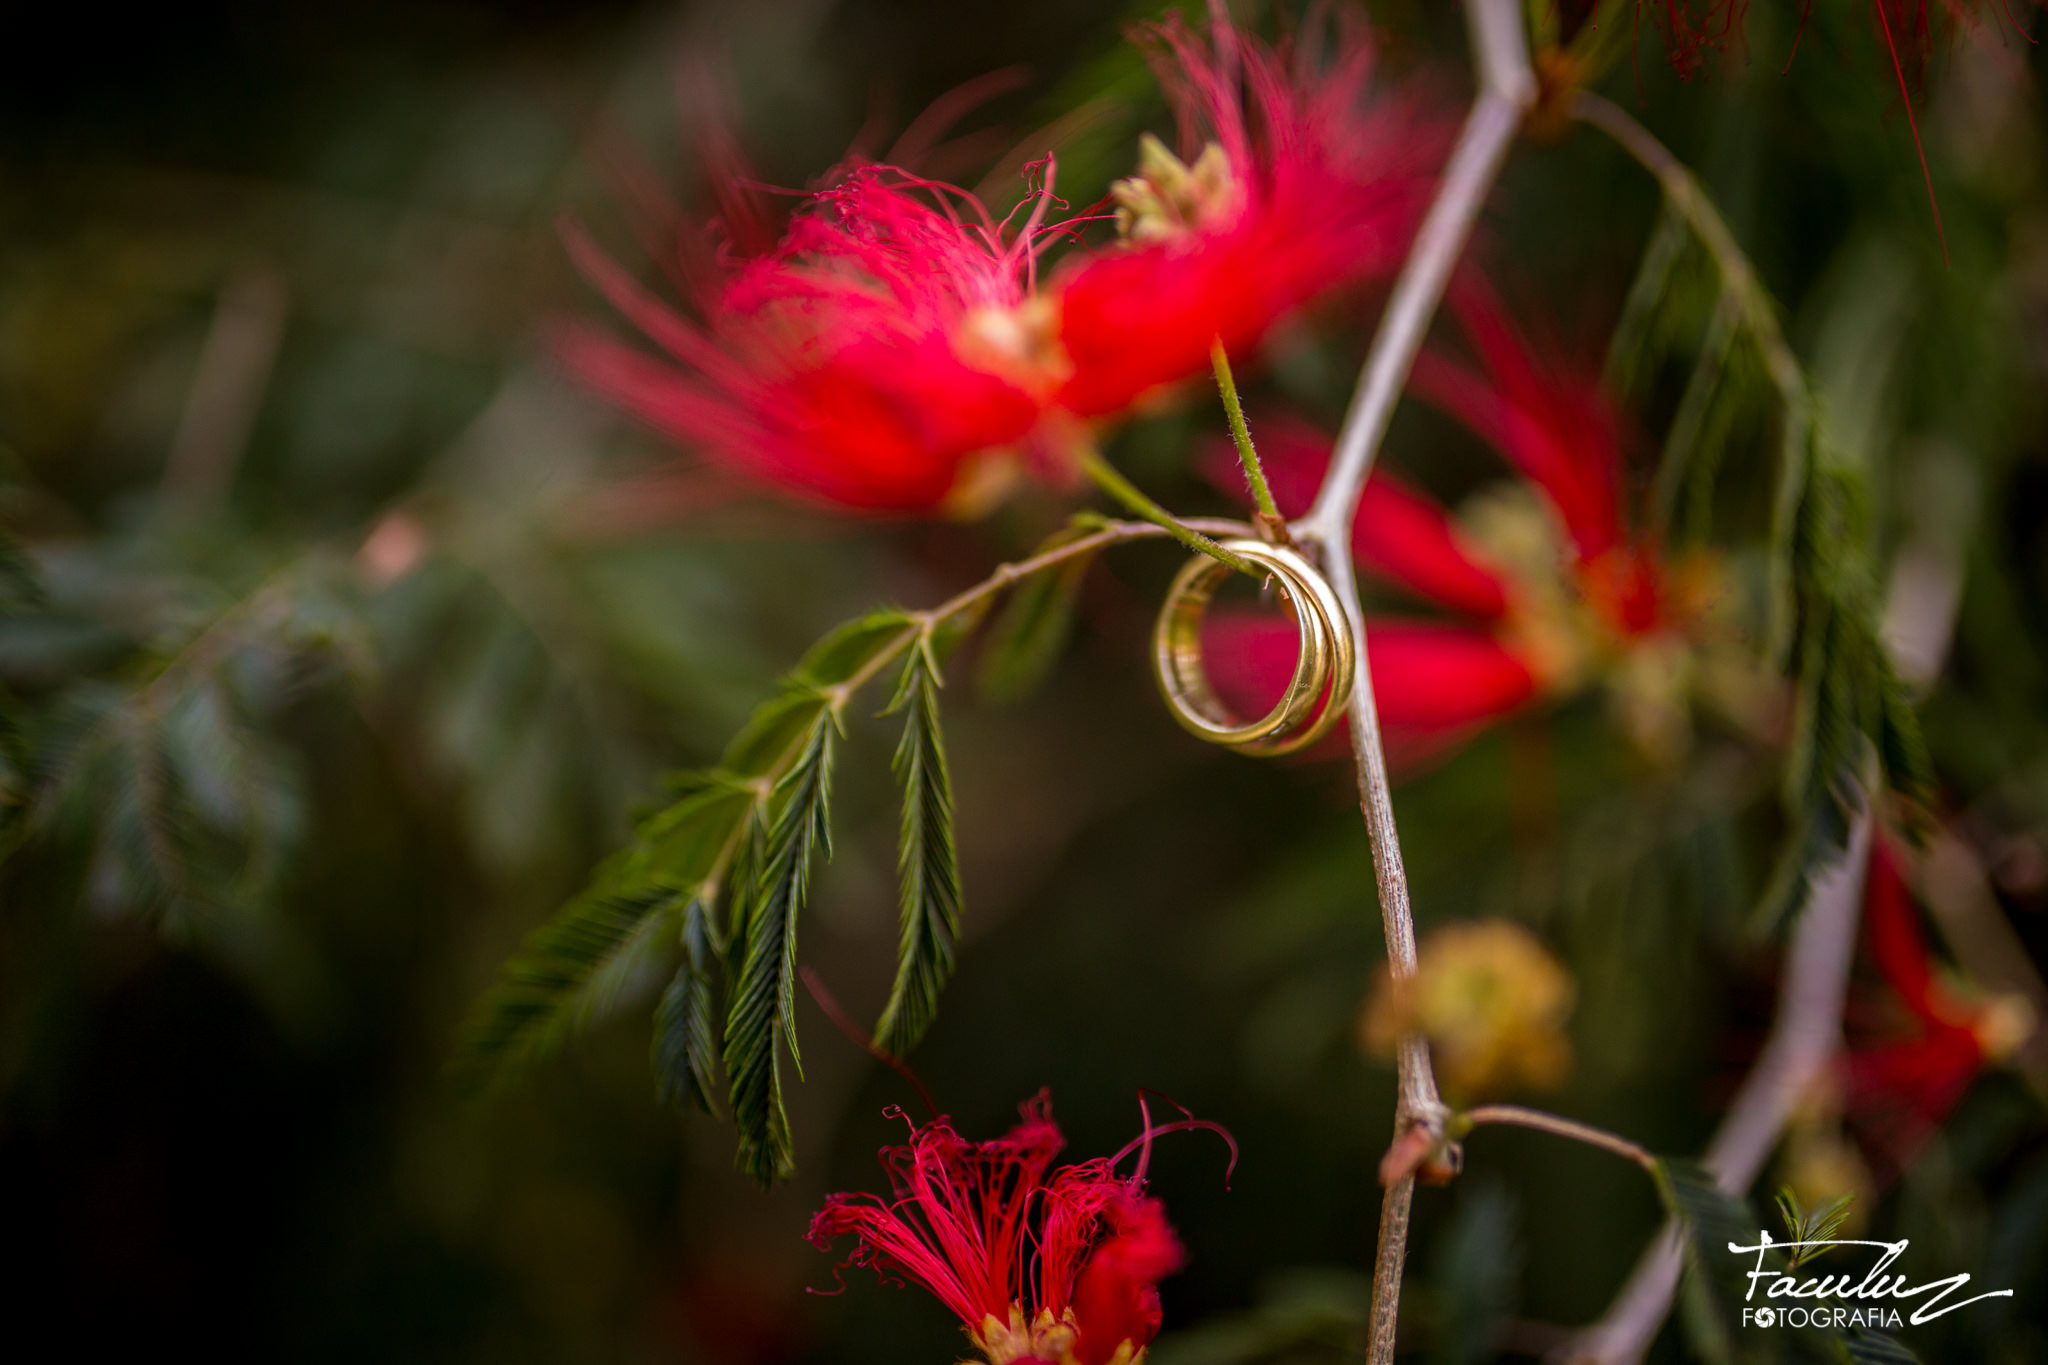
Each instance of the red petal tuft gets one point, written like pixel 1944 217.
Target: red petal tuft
pixel 1333 188
pixel 1117 1297
pixel 834 367
pixel 956 1221
pixel 992 1231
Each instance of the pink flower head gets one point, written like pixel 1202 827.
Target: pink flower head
pixel 868 360
pixel 1041 1265
pixel 1901 1083
pixel 1290 181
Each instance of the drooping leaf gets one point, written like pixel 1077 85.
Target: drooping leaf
pixel 763 996
pixel 1852 724
pixel 569 972
pixel 1033 625
pixel 1632 349
pixel 685 1052
pixel 1901 748
pixel 1477 1263
pixel 1715 1288
pixel 927 864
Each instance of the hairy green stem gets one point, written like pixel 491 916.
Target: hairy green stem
pixel 1247 455
pixel 1132 497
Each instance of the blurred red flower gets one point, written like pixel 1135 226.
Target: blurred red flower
pixel 1041 1265
pixel 895 350
pixel 864 361
pixel 1567 589
pixel 1906 1069
pixel 1297 179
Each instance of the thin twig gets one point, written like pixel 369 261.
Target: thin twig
pixel 1683 193
pixel 227 390
pixel 1520 1117
pixel 1682 441
pixel 1507 90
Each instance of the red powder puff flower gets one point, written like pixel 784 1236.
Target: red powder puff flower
pixel 1296 180
pixel 1043 1266
pixel 1561 591
pixel 869 360
pixel 1901 1084
pixel 894 351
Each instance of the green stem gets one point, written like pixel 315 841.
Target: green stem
pixel 1240 433
pixel 1129 494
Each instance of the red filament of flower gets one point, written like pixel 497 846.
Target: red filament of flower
pixel 992 1229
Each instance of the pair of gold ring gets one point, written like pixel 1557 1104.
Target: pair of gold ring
pixel 1324 668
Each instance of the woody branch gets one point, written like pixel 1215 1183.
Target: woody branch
pixel 1507 88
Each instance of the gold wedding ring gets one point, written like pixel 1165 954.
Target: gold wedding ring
pixel 1324 669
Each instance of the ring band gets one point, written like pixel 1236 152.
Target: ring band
pixel 1325 667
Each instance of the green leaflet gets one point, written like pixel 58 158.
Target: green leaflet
pixel 1850 704
pixel 685 1049
pixel 570 971
pixel 849 650
pixel 927 863
pixel 845 658
pixel 1811 1225
pixel 1641 335
pixel 1712 1295
pixel 764 992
